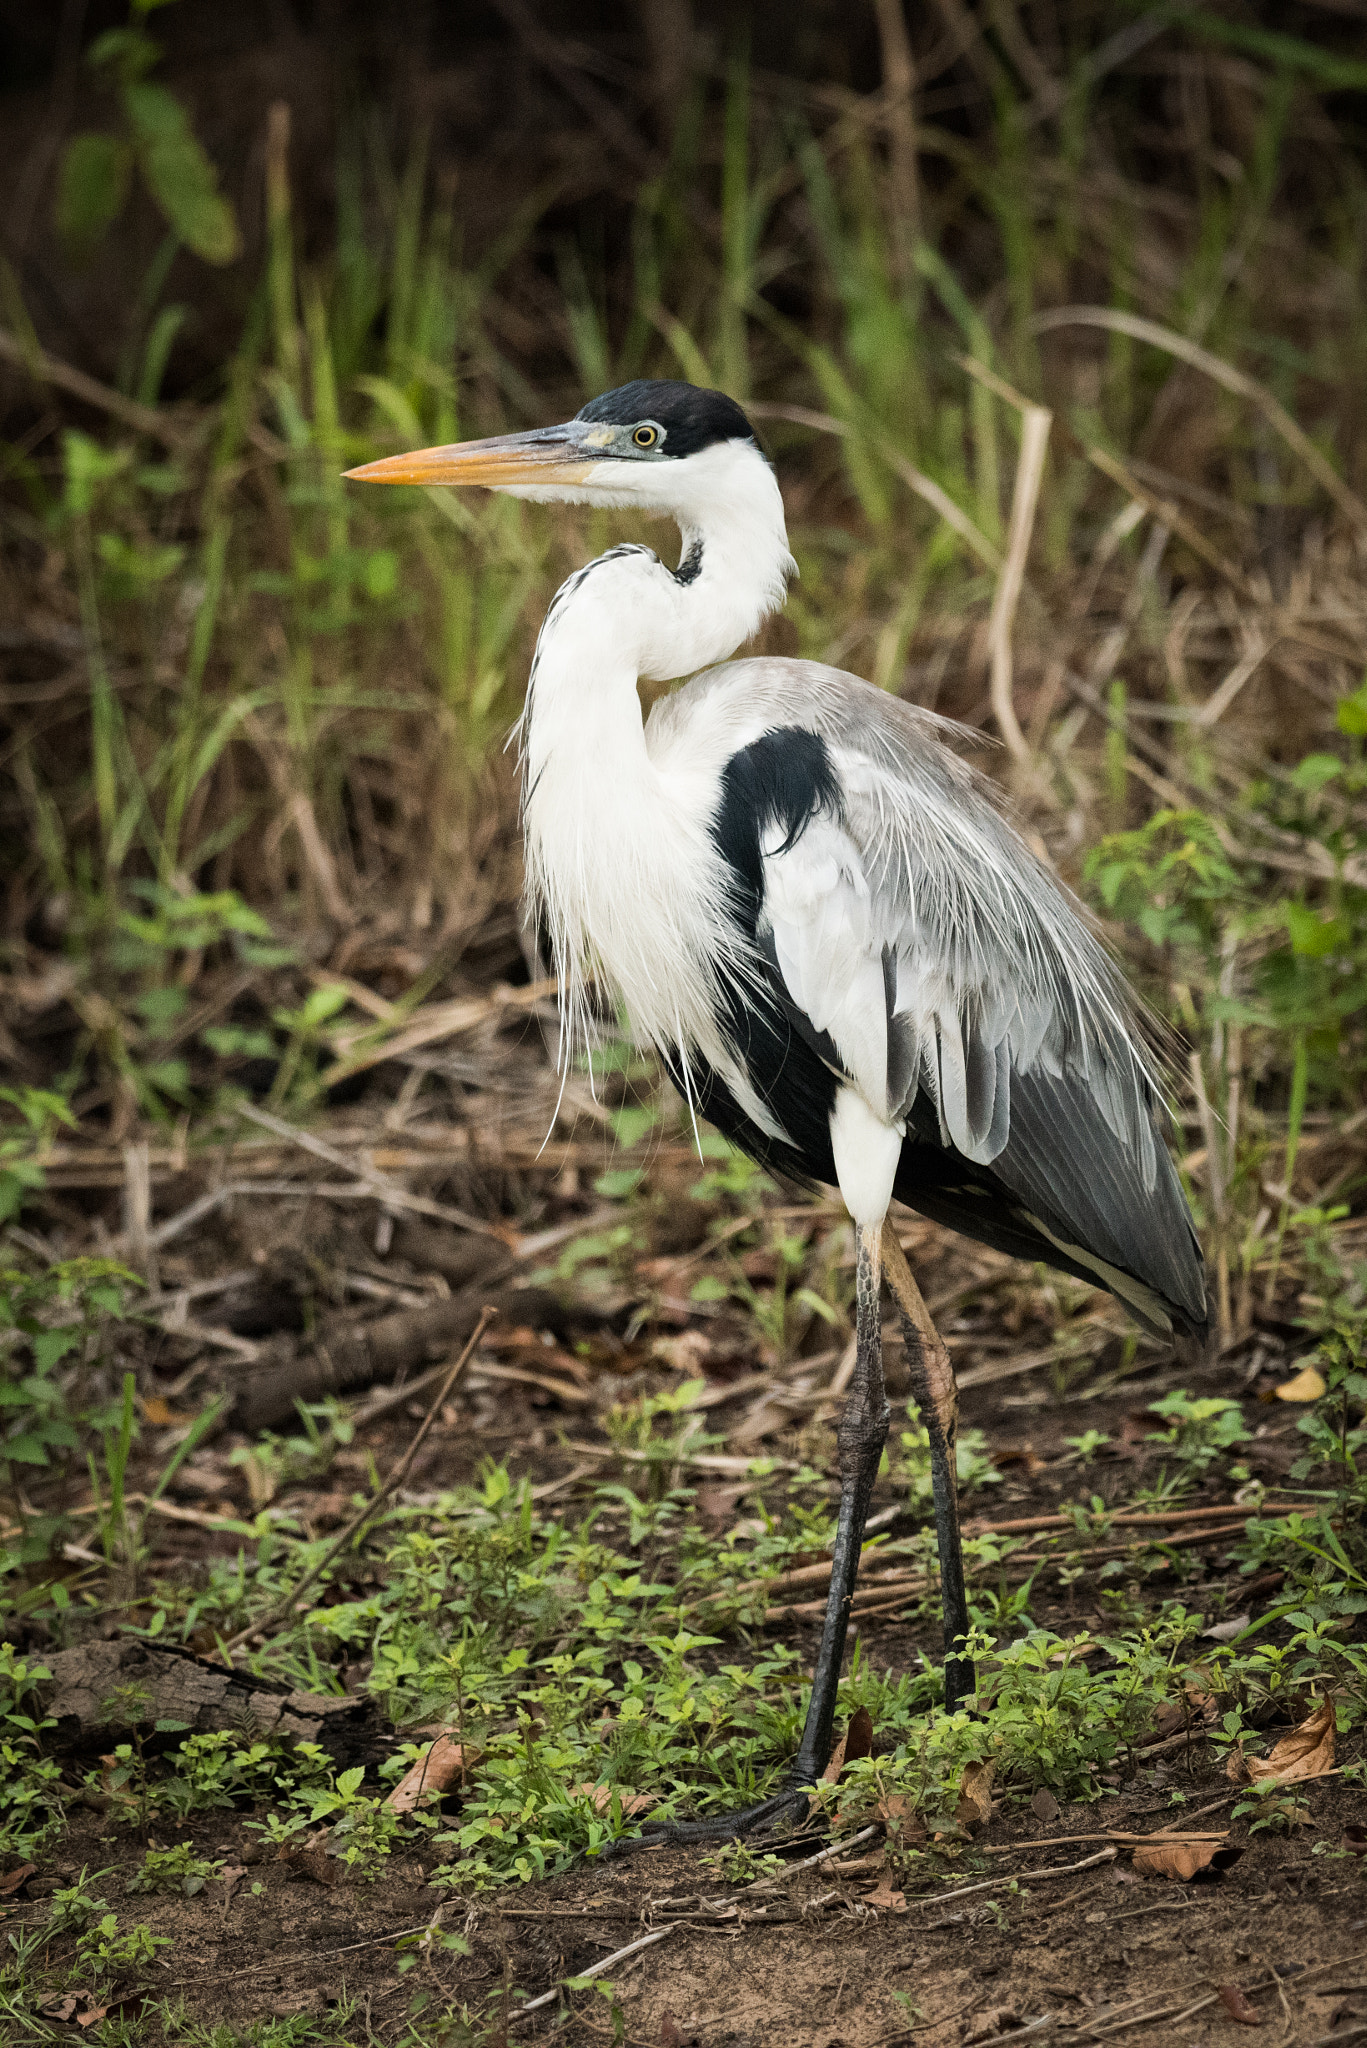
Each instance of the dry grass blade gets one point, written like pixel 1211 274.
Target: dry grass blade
pixel 285 1608
pixel 46 369
pixel 368 1180
pixel 426 1026
pixel 1236 381
pixel 916 480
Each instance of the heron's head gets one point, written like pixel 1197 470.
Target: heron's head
pixel 657 446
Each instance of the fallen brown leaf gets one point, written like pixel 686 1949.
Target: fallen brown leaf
pixel 161 1415
pixel 900 1818
pixel 12 1879
pixel 443 1764
pixel 58 2005
pixel 672 2034
pixel 1027 1457
pixel 1184 1860
pixel 86 2009
pixel 314 1864
pixel 1238 2007
pixel 1044 1806
pixel 857 1741
pixel 1355 1838
pixel 1307 1752
pixel 1225 1631
pixel 859 1735
pixel 1236 1767
pixel 1306 1385
pixel 883 1898
pixel 601 1795
pixel 975 1796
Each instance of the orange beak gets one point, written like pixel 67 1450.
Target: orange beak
pixel 546 456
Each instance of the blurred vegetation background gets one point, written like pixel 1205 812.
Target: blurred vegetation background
pixel 1053 314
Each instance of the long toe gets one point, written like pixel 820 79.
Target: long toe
pixel 790 1806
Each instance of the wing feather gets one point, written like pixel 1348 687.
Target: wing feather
pixel 933 961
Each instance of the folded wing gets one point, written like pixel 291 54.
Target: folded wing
pixel 919 950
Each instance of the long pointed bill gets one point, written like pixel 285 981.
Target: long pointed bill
pixel 554 456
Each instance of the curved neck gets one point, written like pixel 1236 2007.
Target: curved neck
pixel 627 616
pixel 613 845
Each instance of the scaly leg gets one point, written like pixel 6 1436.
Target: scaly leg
pixel 937 1397
pixel 863 1432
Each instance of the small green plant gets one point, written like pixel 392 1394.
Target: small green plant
pixel 176 1869
pixel 49 1318
pixel 23 1143
pixel 72 1907
pixel 973 1460
pixel 738 1863
pixel 273 1462
pixel 363 1830
pixel 306 1042
pixel 1275 1811
pixel 1086 1448
pixel 736 1178
pixel 104 1955
pixel 1172 878
pixel 121 1533
pixel 1199 1431
pixel 30 1802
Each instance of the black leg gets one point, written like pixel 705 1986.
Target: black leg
pixel 862 1434
pixel 937 1397
pixel 860 1440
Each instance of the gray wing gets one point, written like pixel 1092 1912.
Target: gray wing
pixel 957 984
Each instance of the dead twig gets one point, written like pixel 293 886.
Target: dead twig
pixel 702 1461
pixel 596 1969
pixel 376 1184
pixel 1036 420
pixel 1213 366
pixel 991 1884
pixel 767 1884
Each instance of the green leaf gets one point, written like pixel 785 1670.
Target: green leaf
pixel 52 1345
pixel 92 189
pixel 709 1289
pixel 24 1450
pixel 380 573
pixel 180 175
pixel 1314 771
pixel 87 465
pixel 1312 936
pixel 1352 711
pixel 632 1122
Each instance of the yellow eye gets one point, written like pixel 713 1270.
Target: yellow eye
pixel 645 437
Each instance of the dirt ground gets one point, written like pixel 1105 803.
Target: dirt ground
pixel 1061 1954
pixel 811 1963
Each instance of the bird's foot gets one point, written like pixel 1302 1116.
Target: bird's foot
pixel 789 1805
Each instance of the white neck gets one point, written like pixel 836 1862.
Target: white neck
pixel 596 813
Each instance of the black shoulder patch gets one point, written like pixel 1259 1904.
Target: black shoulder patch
pixel 782 779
